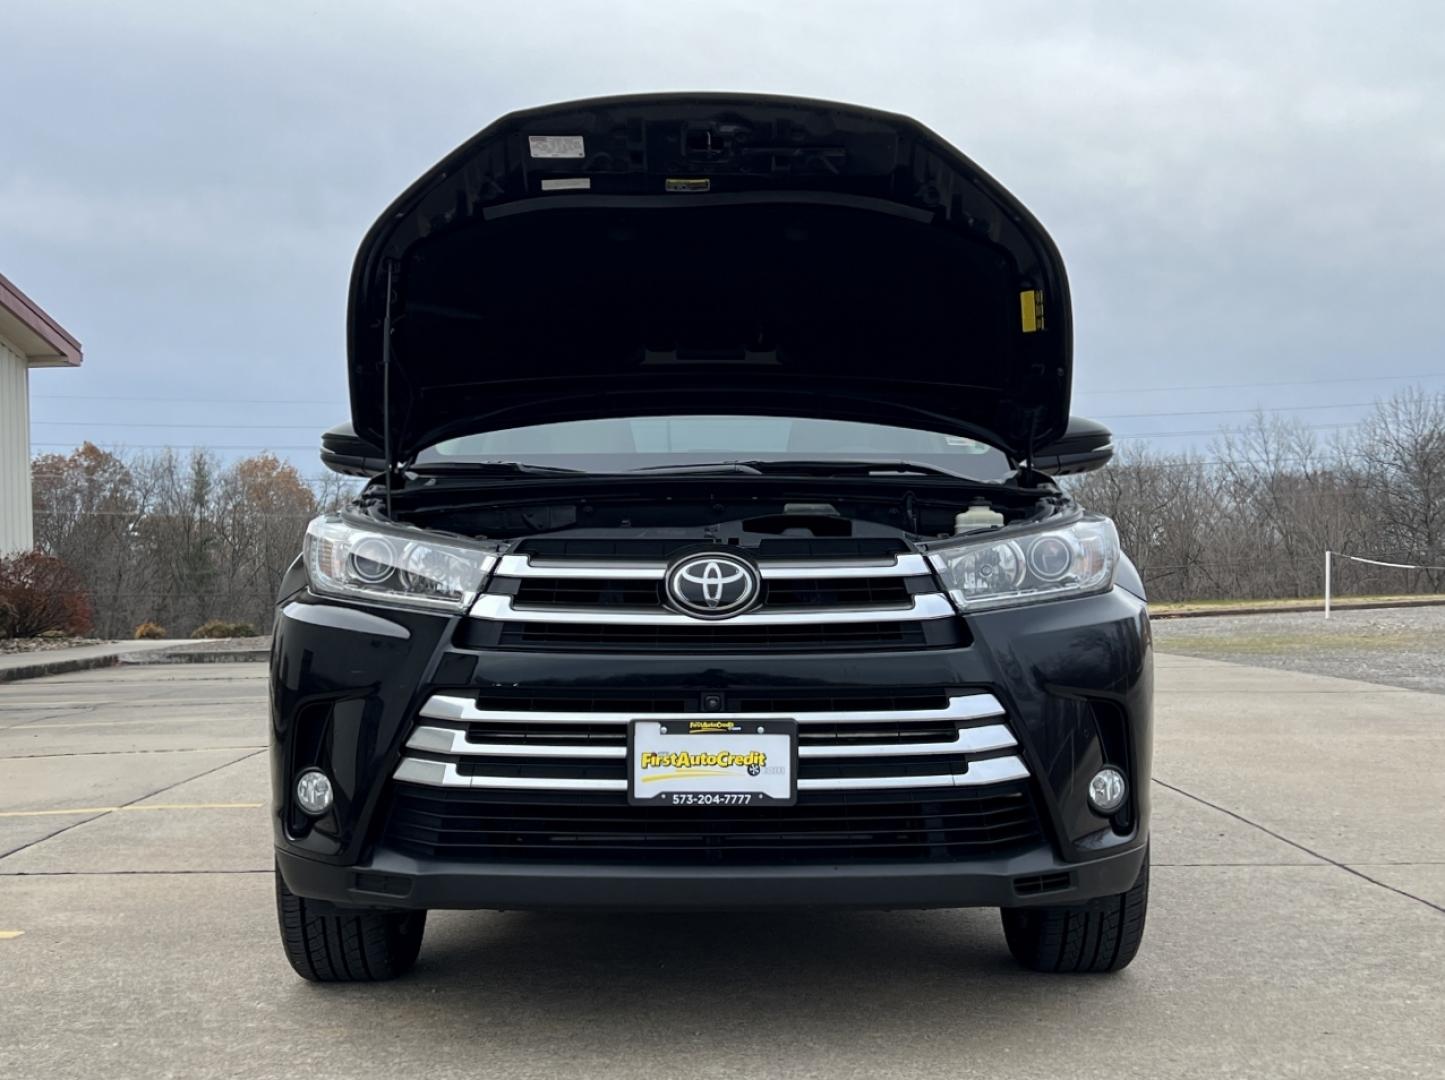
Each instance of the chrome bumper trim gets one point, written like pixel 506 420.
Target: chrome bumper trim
pixel 499 607
pixel 962 707
pixel 975 740
pixel 526 566
pixel 445 774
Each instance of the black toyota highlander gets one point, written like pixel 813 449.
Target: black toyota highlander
pixel 713 553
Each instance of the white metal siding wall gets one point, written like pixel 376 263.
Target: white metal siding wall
pixel 16 525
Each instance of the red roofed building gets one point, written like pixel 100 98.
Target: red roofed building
pixel 29 338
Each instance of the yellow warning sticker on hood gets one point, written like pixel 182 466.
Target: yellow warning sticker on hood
pixel 1031 310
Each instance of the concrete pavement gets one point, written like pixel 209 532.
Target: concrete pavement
pixel 41 662
pixel 1297 925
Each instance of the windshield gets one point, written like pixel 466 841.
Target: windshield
pixel 624 445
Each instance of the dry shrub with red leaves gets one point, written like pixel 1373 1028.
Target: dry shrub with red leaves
pixel 39 594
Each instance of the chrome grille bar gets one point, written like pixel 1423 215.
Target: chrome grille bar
pixel 525 566
pixel 542 736
pixel 961 707
pixel 500 607
pixel 438 740
pixel 974 740
pixel 445 774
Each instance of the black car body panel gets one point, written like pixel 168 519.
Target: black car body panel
pixel 957 691
pixel 689 253
pixel 1076 677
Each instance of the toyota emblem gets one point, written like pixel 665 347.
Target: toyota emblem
pixel 708 586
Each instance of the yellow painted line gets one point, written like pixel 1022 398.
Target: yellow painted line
pixel 6 935
pixel 126 809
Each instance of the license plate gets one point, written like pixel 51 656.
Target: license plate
pixel 693 761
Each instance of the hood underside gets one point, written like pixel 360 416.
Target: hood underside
pixel 708 253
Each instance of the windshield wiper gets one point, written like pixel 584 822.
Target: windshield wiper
pixel 748 467
pixel 859 467
pixel 809 468
pixel 490 468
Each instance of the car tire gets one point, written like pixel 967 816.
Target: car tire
pixel 353 946
pixel 1098 936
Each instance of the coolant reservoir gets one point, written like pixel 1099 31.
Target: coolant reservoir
pixel 978 516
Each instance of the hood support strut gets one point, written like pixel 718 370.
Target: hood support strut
pixel 386 386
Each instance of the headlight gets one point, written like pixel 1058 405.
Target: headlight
pixel 401 567
pixel 993 570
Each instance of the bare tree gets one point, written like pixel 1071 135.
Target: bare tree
pixel 1402 448
pixel 180 540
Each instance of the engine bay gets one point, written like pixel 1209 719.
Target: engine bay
pixel 735 511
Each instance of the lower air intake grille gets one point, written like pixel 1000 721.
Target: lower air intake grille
pixel 603 828
pixel 1038 884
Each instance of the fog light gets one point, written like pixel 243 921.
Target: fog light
pixel 1107 790
pixel 313 792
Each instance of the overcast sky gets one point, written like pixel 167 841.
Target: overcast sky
pixel 1243 193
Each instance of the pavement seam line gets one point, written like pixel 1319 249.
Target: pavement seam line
pixel 67 711
pixel 135 703
pixel 140 798
pixel 129 723
pixel 123 873
pixel 117 753
pixel 1218 865
pixel 1298 846
pixel 130 808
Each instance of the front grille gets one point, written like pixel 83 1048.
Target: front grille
pixel 931 740
pixel 883 774
pixel 588 593
pixel 853 827
pixel 683 702
pixel 814 596
pixel 614 771
pixel 903 731
pixel 793 593
pixel 840 592
pixel 859 701
pixel 712 637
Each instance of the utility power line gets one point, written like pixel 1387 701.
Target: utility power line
pixel 1097 416
pixel 1255 385
pixel 194 401
pixel 313 448
pixel 193 424
pixel 152 514
pixel 1224 412
pixel 344 404
pixel 309 447
pixel 1217 431
pixel 332 478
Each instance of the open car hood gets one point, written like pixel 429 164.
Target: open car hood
pixel 708 254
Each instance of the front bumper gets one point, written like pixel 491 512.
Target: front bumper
pixel 391 879
pixel 348 684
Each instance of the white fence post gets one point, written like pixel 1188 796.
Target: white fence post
pixel 1327 584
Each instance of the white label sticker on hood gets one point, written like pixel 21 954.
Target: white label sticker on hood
pixel 556 146
pixel 567 183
